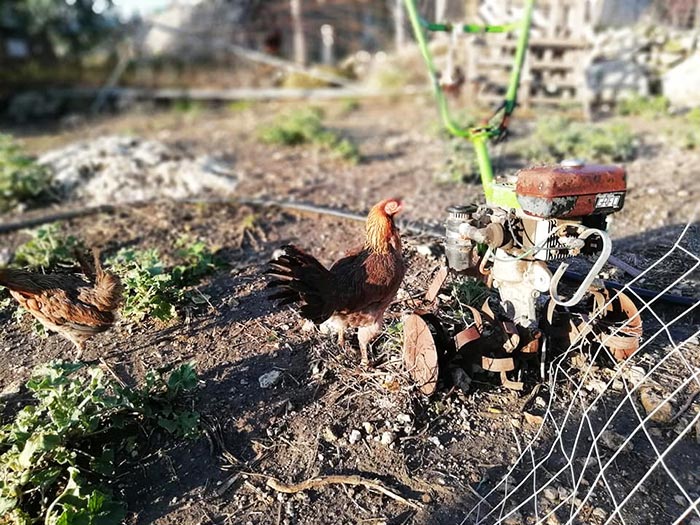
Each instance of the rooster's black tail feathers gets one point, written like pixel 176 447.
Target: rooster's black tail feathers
pixel 300 278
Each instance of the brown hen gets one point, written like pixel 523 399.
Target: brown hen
pixel 357 289
pixel 67 303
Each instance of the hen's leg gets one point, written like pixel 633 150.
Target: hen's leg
pixel 341 337
pixel 365 335
pixel 79 345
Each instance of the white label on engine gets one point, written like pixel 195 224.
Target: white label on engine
pixel 608 200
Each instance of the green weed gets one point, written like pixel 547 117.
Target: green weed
pixel 393 342
pixel 349 105
pixel 151 288
pixel 306 127
pixel 59 454
pixel 236 106
pixel 47 249
pixel 147 284
pixel 466 292
pixel 650 107
pixel 686 134
pixel 22 180
pixel 558 138
pixel 188 106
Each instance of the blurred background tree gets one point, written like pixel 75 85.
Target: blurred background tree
pixel 56 28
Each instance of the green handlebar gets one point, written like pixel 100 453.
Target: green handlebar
pixel 480 135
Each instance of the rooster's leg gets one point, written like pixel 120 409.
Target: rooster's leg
pixel 365 335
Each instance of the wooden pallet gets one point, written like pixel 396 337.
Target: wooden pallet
pixel 554 69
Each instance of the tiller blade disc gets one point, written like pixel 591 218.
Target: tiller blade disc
pixel 617 325
pixel 423 333
pixel 613 322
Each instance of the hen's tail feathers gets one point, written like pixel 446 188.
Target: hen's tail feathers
pixel 18 281
pixel 300 278
pixel 108 287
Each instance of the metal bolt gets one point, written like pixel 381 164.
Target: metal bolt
pixel 572 163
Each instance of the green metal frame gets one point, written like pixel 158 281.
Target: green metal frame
pixel 496 194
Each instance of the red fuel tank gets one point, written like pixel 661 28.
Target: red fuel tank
pixel 571 189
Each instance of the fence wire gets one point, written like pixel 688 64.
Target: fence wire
pixel 625 450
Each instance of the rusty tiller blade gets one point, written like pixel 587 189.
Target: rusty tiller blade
pixel 436 284
pixel 420 351
pixel 619 326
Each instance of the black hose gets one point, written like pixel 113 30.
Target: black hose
pixel 641 292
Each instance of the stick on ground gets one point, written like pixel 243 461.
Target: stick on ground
pixel 322 481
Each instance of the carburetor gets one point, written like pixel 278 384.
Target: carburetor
pixel 563 213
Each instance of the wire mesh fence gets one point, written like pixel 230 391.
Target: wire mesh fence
pixel 623 449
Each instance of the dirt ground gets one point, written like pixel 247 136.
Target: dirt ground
pixel 445 451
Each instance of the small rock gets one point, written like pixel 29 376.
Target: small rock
pixel 550 494
pixel 388 438
pixel 329 435
pixel 403 418
pixel 553 520
pixel 596 385
pixel 270 379
pixel 425 498
pixel 426 250
pixel 355 436
pixel 540 402
pixel 636 375
pixel 653 402
pixel 533 419
pixel 600 513
pixel 563 493
pixel 368 427
pixel 613 440
pixel 680 500
pixel 435 441
pixel 514 519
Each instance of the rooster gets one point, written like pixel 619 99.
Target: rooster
pixel 66 303
pixel 356 290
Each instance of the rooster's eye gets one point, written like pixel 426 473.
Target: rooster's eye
pixel 392 207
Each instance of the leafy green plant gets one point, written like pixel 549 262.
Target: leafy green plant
pixel 151 288
pixel 638 105
pixel 306 127
pixel 558 138
pixel 58 456
pixel 393 341
pixel 147 284
pixel 47 248
pixel 687 133
pixel 197 261
pixel 466 292
pixel 22 180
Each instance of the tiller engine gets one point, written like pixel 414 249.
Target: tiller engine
pixel 541 216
